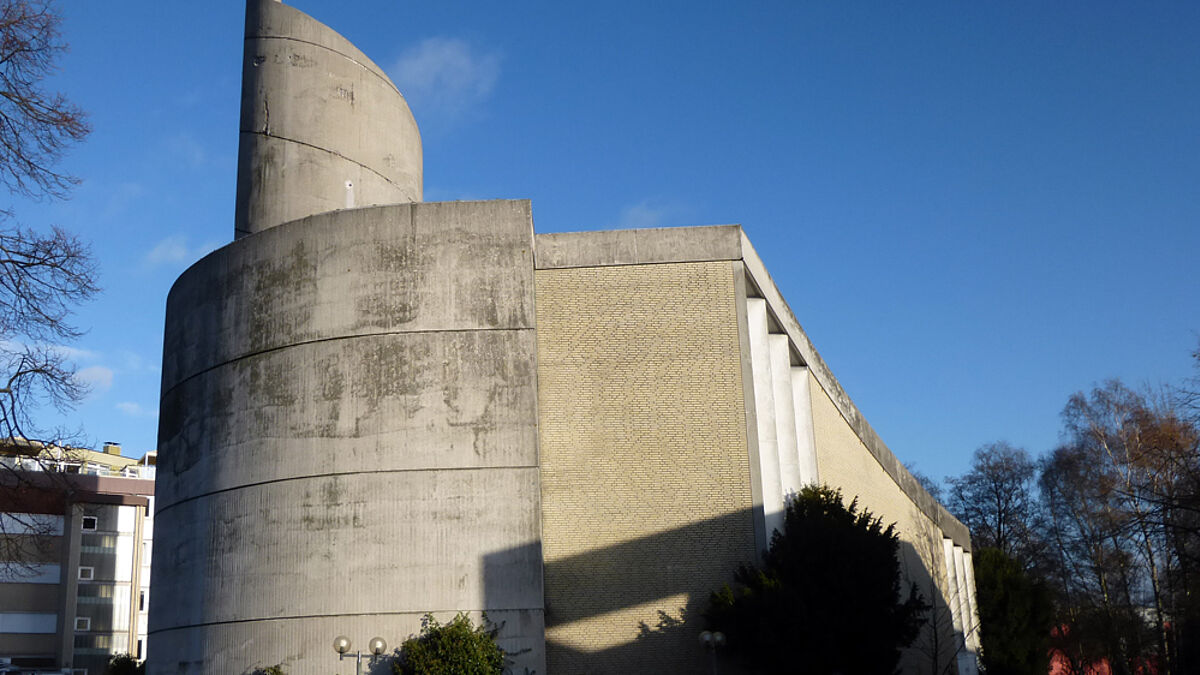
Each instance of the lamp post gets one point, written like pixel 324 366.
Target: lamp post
pixel 341 645
pixel 711 641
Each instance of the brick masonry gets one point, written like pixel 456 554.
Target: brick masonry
pixel 645 473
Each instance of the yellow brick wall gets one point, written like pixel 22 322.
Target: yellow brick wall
pixel 844 461
pixel 645 471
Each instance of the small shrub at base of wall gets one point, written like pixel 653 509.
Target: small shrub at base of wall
pixel 456 648
pixel 124 664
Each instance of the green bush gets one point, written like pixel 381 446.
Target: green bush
pixel 269 670
pixel 455 648
pixel 124 664
pixel 828 598
pixel 1017 612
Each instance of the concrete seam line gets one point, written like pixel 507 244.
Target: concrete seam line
pixel 349 58
pixel 325 150
pixel 421 612
pixel 172 505
pixel 260 352
pixel 591 265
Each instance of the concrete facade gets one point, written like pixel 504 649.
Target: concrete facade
pixel 322 126
pixel 355 433
pixel 373 408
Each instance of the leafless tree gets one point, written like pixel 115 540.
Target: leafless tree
pixel 1188 395
pixel 43 276
pixel 1095 567
pixel 1122 495
pixel 997 500
pixel 36 126
pixel 931 486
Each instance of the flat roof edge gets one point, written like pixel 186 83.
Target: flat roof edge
pixel 708 243
pixel 607 248
pixel 932 508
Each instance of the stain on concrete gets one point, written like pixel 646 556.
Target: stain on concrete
pixel 281 309
pixel 345 93
pixel 180 453
pixel 390 369
pixel 271 382
pixel 333 511
pixel 332 492
pixel 398 273
pixel 297 60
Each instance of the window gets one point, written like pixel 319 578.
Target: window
pixel 139 652
pixel 87 573
pixel 142 602
pixel 83 623
pixel 90 523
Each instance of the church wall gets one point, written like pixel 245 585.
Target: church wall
pixel 844 462
pixel 372 413
pixel 646 497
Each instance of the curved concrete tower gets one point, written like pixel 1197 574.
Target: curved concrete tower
pixel 322 128
pixel 348 428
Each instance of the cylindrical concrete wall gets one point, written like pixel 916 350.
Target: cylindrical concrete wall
pixel 348 439
pixel 322 127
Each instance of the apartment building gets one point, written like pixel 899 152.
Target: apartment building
pixel 75 535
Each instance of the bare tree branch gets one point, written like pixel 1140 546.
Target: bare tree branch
pixel 43 278
pixel 36 126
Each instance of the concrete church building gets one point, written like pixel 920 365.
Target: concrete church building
pixel 375 407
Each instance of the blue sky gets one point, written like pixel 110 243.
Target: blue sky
pixel 974 209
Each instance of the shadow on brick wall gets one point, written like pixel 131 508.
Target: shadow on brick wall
pixel 637 607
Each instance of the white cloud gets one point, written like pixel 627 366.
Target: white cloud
pixel 445 76
pixel 75 353
pixel 649 213
pixel 185 147
pixel 175 250
pixel 206 248
pixel 120 199
pixel 136 363
pixel 135 410
pixel 98 378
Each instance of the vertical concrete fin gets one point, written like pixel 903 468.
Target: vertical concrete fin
pixel 973 617
pixel 967 662
pixel 785 415
pixel 317 115
pixel 951 582
pixel 806 440
pixel 765 408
